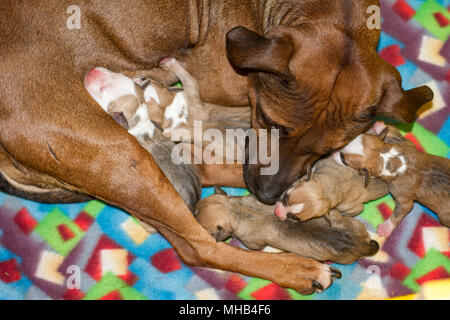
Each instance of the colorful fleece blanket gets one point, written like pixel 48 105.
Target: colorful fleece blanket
pixel 93 251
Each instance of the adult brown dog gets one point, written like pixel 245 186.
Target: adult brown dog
pixel 307 67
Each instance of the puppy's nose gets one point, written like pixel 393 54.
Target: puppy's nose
pixel 281 211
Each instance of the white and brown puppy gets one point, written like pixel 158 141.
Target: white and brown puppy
pixel 253 223
pixel 331 185
pixel 172 108
pixel 410 174
pixel 132 108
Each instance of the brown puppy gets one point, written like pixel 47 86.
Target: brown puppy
pixel 254 224
pixel 331 186
pixel 312 70
pixel 410 174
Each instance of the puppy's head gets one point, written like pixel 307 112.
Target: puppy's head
pixel 373 157
pixel 214 216
pixel 121 96
pixel 303 201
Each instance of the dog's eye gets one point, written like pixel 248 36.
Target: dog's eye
pixel 272 125
pixel 286 131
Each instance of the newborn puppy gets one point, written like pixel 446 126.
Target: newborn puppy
pixel 331 185
pixel 410 174
pixel 125 101
pixel 190 113
pixel 254 224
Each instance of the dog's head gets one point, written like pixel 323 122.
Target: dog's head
pixel 319 80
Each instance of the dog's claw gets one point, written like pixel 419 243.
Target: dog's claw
pixel 335 273
pixel 317 286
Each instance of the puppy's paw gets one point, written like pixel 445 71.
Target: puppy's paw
pixel 167 61
pixel 385 229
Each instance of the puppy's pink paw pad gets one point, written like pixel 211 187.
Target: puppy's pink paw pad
pixel 385 229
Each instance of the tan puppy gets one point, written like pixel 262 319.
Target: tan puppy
pixel 410 174
pixel 331 185
pixel 254 224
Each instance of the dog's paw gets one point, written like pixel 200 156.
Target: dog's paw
pixel 306 276
pixel 325 277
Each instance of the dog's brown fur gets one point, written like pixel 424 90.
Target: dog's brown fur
pixel 254 224
pixel 410 174
pixel 331 55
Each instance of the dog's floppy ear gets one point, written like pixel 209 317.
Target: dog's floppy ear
pixel 249 51
pixel 399 104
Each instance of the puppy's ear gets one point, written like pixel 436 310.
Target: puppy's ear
pixel 141 82
pixel 367 177
pixel 249 51
pixel 397 103
pixel 382 135
pixel 119 117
